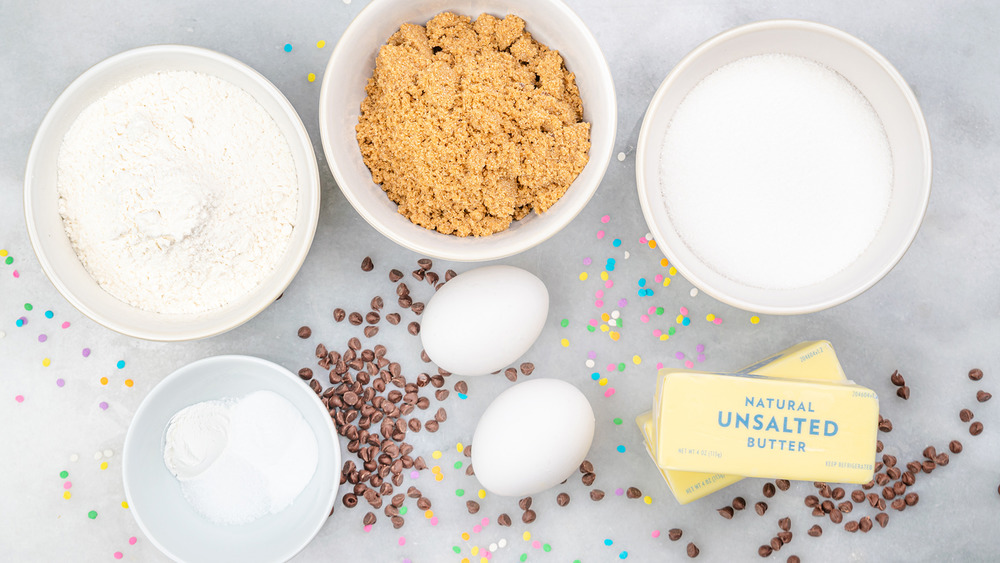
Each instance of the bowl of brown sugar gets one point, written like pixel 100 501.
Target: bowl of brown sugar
pixel 472 133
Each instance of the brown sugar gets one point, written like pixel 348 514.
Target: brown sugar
pixel 470 125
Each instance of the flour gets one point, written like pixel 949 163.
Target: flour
pixel 178 192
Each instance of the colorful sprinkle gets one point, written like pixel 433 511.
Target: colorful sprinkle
pixel 754 320
pixel 42 338
pixel 9 261
pixel 132 540
pixel 103 405
pixel 60 382
pixel 587 261
pixel 125 505
pixel 46 362
pixel 656 533
pixel 608 541
pixel 320 44
pixel 118 555
pixel 459 492
pixel 64 474
pixel 583 276
pixel 86 352
pixel 620 448
pixel 92 515
pixel 28 307
pixel 65 324
pixel 49 314
pixel 104 381
pixel 616 243
pixel 288 47
pixel 617 421
pixel 120 364
pixel 623 555
pixel 129 383
pixel 20 322
pixel 564 323
pixel 67 495
pixel 648 500
pixel 605 219
pixel 600 234
pixel 311 77
pixel 564 342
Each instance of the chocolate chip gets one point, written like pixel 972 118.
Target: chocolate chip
pixel 503 519
pixel 316 386
pixel 836 516
pixel 528 517
pixel 350 500
pixel 472 506
pixel 897 379
pixel 393 318
pixel 908 478
pixel 783 484
pixel 976 428
pixel 417 275
pixel 894 473
pixel 882 518
pixel 370 331
pixel 785 524
pixel 911 499
pixel 903 393
pixel 760 508
pixel 879 446
pixel 525 503
pixel 367 265
pixel 510 373
pixel 634 493
pixel 431 426
pixel 983 396
pixel 793 559
pixel 397 522
pixel 417 308
pixel 955 446
pixel 562 499
pixel 726 512
pixel 372 318
pixel 339 314
pixel 812 501
pixel 355 318
pixel 768 489
pixel 402 290
pixel 597 494
pixel 885 426
pixel 413 328
pixel 941 459
pixel 306 374
pixel 975 374
pixel 739 503
pixel 965 415
pixel 845 507
pixel 425 263
pixel 692 550
pixel 369 519
pixel 899 504
pixel 913 466
pixel 929 452
pixel 586 467
pixel 675 534
pixel 764 551
pixel 928 465
pixel 852 526
pixel 305 332
pixel 815 531
pixel 527 368
pixel 395 275
pixel 839 493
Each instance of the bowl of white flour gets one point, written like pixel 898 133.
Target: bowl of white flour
pixel 171 193
pixel 783 167
pixel 231 458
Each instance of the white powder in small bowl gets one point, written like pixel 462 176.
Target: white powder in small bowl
pixel 776 172
pixel 178 192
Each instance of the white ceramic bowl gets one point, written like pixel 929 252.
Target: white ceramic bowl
pixel 351 64
pixel 888 94
pixel 41 202
pixel 154 495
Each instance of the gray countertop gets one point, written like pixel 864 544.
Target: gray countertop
pixel 933 317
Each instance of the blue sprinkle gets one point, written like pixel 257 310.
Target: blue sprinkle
pixel 610 266
pixel 686 321
pixel 463 396
pixel 120 364
pixel 49 314
pixel 616 243
pixel 19 322
pixel 623 555
pixel 608 542
pixel 621 449
pixel 595 376
pixel 642 282
pixel 288 47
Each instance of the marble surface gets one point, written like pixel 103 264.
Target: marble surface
pixel 933 317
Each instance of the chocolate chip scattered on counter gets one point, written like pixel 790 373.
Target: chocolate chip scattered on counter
pixel 413 328
pixel 675 534
pixel 306 374
pixel 525 503
pixel 975 374
pixel 726 512
pixel 852 526
pixel 397 522
pixel 983 396
pixel 976 428
pixel 815 531
pixel 393 319
pixel 425 263
pixel 634 493
pixel 462 387
pixel 776 543
pixel 692 550
pixel 339 314
pixel 562 499
pixel 596 494
pixel 768 490
pixel 764 551
pixel 760 508
pixel 793 559
pixel 527 368
pixel 785 523
pixel 911 499
pixel 897 379
pixel 903 393
pixel 865 524
pixel 783 484
pixel 503 520
pixel 305 332
pixel 472 506
pixel 355 318
pixel 369 519
pixel 510 373
pixel 882 518
pixel 528 517
pixel 955 447
pixel 586 467
pixel 367 265
pixel 885 426
pixel 418 275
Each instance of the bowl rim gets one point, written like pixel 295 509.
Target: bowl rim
pixel 349 37
pixel 643 143
pixel 310 198
pixel 200 364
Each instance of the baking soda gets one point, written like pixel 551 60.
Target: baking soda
pixel 776 172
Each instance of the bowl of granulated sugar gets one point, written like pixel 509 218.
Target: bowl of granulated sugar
pixel 171 193
pixel 783 167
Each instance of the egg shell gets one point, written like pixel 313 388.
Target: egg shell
pixel 532 437
pixel 484 319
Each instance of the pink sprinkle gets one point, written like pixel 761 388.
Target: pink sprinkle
pixel 368 527
pixel 587 261
pixel 402 540
pixel 65 324
pixel 609 284
pixel 591 355
pixel 477 528
pixel 19 398
pixel 406 560
pixel 611 367
pixel 657 332
pixel 132 540
pixel 68 485
pixel 592 322
pixel 434 521
pixel 599 294
pixel 536 544
pixel 622 302
pixel 651 310
pixel 659 365
pixel 60 382
pixel 16 274
pixel 414 474
pixel 609 392
pixel 605 219
pixel 717 321
pixel 701 357
pixel 489 555
pixel 103 405
pixel 689 364
pixel 700 348
pixel 86 352
pixel 644 318
pixel 658 278
pixel 600 234
pixel 684 311
pixel 642 240
pixel 598 303
pixel 679 355
pixel 619 491
pixel 118 555
pixel 42 338
pixel 656 533
pixel 486 522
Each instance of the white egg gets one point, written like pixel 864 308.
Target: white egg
pixel 532 437
pixel 484 319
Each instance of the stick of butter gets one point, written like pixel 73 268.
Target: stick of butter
pixel 814 360
pixel 765 427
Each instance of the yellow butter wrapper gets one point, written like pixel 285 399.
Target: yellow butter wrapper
pixel 765 427
pixel 814 360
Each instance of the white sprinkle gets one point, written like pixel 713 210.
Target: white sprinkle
pixel 621 157
pixel 615 314
pixel 649 236
pixel 74 457
pixel 2 334
pixel 98 455
pixel 627 254
pixel 502 543
pixel 590 363
pixel 694 292
pixel 493 547
pixel 108 453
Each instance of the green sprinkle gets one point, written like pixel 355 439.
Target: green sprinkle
pixel 524 557
pixel 617 421
pixel 9 260
pixel 456 549
pixel 671 331
pixel 565 323
pixel 546 547
pixel 92 515
pixel 458 465
pixel 618 322
pixel 590 328
pixel 659 310
pixel 621 366
pixel 402 510
pixel 460 492
pixel 64 474
pixel 28 307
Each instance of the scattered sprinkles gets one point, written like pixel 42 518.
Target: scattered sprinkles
pixel 288 47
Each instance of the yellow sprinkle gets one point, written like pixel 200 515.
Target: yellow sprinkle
pixel 124 504
pixel 680 319
pixel 664 262
pixel 664 337
pixel 46 362
pixel 429 514
pixel 128 383
pixel 666 282
pixel 652 244
pixel 474 550
pixel 3 253
pixel 564 342
pixel 673 271
pixel 614 336
pixel 483 560
pixel 104 465
pixel 583 276
pixel 437 454
pixel 482 493
pixel 465 536
pixel 320 44
pixel 439 477
pixel 436 469
pixel 526 536
pixel 104 381
pixel 459 447
pixel 636 360
pixel 647 499
pixel 66 495
pixel 605 317
pixel 605 328
pixel 465 560
pixel 311 77
pixel 604 276
pixel 602 381
pixel 754 320
pixel 710 317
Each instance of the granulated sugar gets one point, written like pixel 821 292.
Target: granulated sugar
pixel 178 192
pixel 776 171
